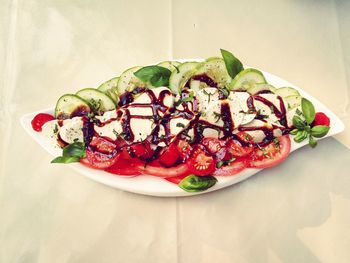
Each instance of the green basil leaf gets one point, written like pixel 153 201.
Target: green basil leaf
pixel 155 75
pixel 76 149
pixel 312 142
pixel 193 183
pixel 298 123
pixel 319 131
pixel 308 110
pixel 66 159
pixel 293 132
pixel 301 136
pixel 233 65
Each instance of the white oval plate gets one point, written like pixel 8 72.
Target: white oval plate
pixel 155 186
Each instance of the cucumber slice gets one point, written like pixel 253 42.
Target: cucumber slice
pixel 293 101
pixel 215 69
pixel 98 101
pixel 70 105
pixel 171 65
pixel 110 88
pixel 128 81
pixel 260 87
pixel 287 91
pixel 246 79
pixel 178 79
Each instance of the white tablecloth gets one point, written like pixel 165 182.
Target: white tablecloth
pixel 296 212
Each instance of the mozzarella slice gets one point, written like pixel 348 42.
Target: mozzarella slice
pixel 141 128
pixel 72 130
pixel 50 132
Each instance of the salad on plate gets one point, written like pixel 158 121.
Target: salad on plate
pixel 188 123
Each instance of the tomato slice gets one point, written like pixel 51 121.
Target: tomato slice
pixel 98 160
pixel 321 119
pixel 215 147
pixel 126 165
pixel 200 163
pixel 39 120
pixel 242 146
pixel 102 145
pixel 169 156
pixel 175 179
pixel 156 169
pixel 231 169
pixel 272 154
pixel 142 150
pixel 185 149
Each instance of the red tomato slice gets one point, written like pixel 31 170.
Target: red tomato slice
pixel 231 169
pixel 126 165
pixel 102 145
pixel 271 154
pixel 142 150
pixel 200 163
pixel 39 120
pixel 100 160
pixel 175 179
pixel 215 147
pixel 157 169
pixel 185 149
pixel 169 156
pixel 236 148
pixel 321 119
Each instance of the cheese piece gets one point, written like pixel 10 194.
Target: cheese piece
pixel 72 130
pixel 111 130
pixel 177 125
pixel 141 128
pixel 50 132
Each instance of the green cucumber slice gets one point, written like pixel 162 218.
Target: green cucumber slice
pixel 293 101
pixel 258 87
pixel 70 105
pixel 246 79
pixel 128 81
pixel 171 65
pixel 179 78
pixel 215 69
pixel 110 88
pixel 287 91
pixel 98 101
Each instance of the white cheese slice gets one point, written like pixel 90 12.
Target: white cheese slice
pixel 238 101
pixel 142 111
pixel 110 130
pixel 107 116
pixel 141 128
pixel 141 98
pixel 207 97
pixel 72 130
pixel 177 125
pixel 50 132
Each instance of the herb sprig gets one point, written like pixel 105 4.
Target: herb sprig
pixel 302 121
pixel 71 153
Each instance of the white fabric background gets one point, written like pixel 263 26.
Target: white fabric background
pixel 296 212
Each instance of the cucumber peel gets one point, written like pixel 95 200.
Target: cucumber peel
pixel 99 102
pixel 247 79
pixel 70 105
pixel 110 88
pixel 128 81
pixel 179 78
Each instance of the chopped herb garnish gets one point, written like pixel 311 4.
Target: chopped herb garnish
pixel 217 116
pixel 297 111
pixel 225 162
pixel 208 94
pixel 272 109
pixel 264 151
pixel 55 130
pixel 179 124
pixel 277 143
pixel 116 133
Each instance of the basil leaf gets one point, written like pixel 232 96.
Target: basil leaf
pixel 298 123
pixel 71 153
pixel 155 75
pixel 233 65
pixel 66 159
pixel 308 110
pixel 293 132
pixel 312 142
pixel 301 135
pixel 76 149
pixel 319 131
pixel 193 183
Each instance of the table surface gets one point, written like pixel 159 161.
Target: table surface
pixel 296 212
